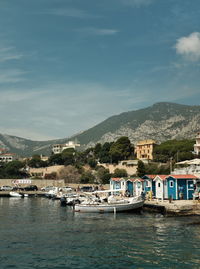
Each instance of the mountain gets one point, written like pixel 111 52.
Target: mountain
pixel 162 121
pixel 25 147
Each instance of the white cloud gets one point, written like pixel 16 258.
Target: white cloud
pixel 189 46
pixel 8 54
pixel 11 76
pixel 98 31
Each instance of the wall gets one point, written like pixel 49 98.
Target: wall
pixel 43 183
pixel 131 170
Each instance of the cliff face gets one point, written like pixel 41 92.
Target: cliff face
pixel 162 121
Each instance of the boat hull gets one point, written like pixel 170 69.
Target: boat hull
pixel 15 194
pixel 108 208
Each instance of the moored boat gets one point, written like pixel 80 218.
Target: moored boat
pixel 15 194
pixel 129 204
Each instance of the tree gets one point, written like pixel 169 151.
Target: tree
pixel 141 169
pixel 120 173
pixel 97 150
pixel 87 177
pixel 68 156
pixel 121 149
pixel 36 162
pixel 92 162
pixel 56 159
pixel 70 174
pixel 14 169
pixel 104 154
pixel 179 150
pixel 103 175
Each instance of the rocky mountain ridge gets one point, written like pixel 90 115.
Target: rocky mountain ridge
pixel 162 121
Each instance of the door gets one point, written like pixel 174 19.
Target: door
pixel 190 189
pixel 130 187
pixel 159 189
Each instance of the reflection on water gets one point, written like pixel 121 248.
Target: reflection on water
pixel 38 233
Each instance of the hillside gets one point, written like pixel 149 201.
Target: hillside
pixel 162 121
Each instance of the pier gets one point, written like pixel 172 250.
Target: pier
pixel 173 208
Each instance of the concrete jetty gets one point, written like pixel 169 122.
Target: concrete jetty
pixel 175 208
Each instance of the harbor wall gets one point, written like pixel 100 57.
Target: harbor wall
pixel 46 182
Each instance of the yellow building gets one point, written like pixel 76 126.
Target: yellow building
pixel 144 149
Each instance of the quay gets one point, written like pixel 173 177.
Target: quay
pixel 30 193
pixel 173 208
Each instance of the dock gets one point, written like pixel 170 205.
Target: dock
pixel 30 193
pixel 173 208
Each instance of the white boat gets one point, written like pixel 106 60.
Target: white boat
pixel 111 207
pixel 15 194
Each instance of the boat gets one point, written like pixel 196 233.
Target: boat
pixel 15 194
pixel 122 205
pixel 72 199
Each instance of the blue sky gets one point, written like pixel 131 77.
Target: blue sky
pixel 66 65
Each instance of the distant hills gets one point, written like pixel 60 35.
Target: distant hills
pixel 162 121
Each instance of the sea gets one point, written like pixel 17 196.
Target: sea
pixel 39 233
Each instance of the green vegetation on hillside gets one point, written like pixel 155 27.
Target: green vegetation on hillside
pixel 178 150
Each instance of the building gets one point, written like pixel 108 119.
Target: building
pixel 144 149
pixel 175 186
pixel 197 145
pixel 134 186
pixel 2 150
pixel 149 184
pixel 7 157
pixel 161 191
pixel 187 167
pixel 181 186
pixel 58 148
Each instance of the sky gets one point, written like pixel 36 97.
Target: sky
pixel 67 65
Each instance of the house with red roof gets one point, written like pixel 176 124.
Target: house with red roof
pixel 149 184
pixel 181 186
pixel 134 186
pixel 175 186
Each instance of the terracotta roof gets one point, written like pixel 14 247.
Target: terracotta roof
pixel 116 178
pixel 183 176
pixel 136 179
pixel 150 176
pixel 163 177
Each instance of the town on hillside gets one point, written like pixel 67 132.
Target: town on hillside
pixel 169 170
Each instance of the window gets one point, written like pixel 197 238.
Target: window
pixel 159 185
pixel 147 183
pixel 171 183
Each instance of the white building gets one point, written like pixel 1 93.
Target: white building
pixel 58 148
pixel 187 167
pixel 7 157
pixel 197 145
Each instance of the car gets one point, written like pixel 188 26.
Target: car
pixel 47 188
pixel 66 189
pixel 31 188
pixel 86 189
pixel 6 188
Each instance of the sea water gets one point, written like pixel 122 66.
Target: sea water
pixel 39 233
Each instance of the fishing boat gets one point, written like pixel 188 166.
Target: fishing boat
pixel 124 205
